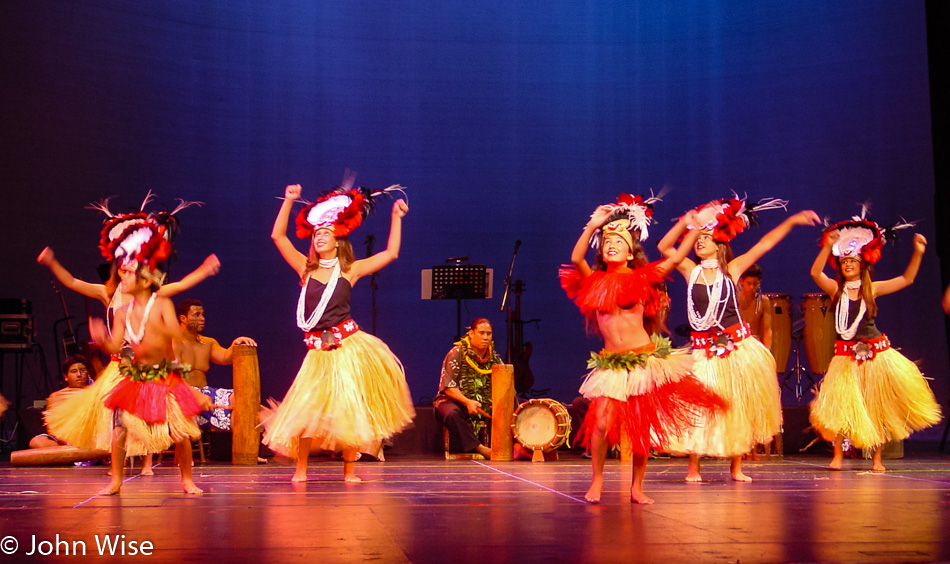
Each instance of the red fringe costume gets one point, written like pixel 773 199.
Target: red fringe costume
pixel 648 392
pixel 155 405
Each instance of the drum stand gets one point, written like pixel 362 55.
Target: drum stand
pixel 798 370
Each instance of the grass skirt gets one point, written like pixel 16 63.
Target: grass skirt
pixel 155 413
pixel 341 398
pixel 653 402
pixel 82 420
pixel 880 400
pixel 747 380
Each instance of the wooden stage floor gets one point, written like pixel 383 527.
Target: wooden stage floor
pixel 431 510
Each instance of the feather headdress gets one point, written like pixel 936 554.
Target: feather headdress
pixel 628 215
pixel 727 217
pixel 341 209
pixel 860 238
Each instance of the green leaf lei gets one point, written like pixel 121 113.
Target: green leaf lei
pixel 151 372
pixel 605 360
pixel 472 383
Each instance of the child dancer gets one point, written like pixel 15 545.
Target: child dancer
pixel 351 389
pixel 871 393
pixel 82 419
pixel 739 369
pixel 638 381
pixel 153 406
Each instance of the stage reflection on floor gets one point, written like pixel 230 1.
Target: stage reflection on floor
pixel 428 510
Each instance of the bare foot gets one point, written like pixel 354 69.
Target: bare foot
pixel 191 488
pixel 299 477
pixel 740 477
pixel 351 479
pixel 113 488
pixel 593 494
pixel 877 467
pixel 484 451
pixel 693 477
pixel 640 498
pixel 147 471
pixel 836 462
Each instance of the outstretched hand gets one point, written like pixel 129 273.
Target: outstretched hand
pixel 400 208
pixel 211 265
pixel 600 215
pixel 46 257
pixel 292 192
pixel 805 217
pixel 920 243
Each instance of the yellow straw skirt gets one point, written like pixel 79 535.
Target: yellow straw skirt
pixel 342 398
pixel 82 419
pixel 143 438
pixel 746 380
pixel 879 400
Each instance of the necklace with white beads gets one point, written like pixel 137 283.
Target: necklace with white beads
pixel 715 310
pixel 136 337
pixel 847 332
pixel 308 323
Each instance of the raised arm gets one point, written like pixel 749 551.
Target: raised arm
pixel 294 258
pixel 374 263
pixel 885 287
pixel 742 262
pixel 97 291
pixel 678 259
pixel 666 245
pixel 579 253
pixel 208 268
pixel 826 284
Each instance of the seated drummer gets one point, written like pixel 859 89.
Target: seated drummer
pixel 464 397
pixel 76 373
pixel 753 306
pixel 199 351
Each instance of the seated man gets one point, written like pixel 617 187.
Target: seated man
pixel 753 306
pixel 464 397
pixel 76 372
pixel 199 352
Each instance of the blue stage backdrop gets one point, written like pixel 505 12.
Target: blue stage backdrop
pixel 506 121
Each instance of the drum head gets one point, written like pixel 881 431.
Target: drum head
pixel 535 426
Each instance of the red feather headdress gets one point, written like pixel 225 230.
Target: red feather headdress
pixel 860 238
pixel 341 209
pixel 727 217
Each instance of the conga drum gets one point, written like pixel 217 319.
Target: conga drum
pixel 819 332
pixel 541 424
pixel 781 312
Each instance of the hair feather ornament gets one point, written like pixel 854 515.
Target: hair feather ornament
pixel 727 217
pixel 629 214
pixel 341 209
pixel 860 238
pixel 139 237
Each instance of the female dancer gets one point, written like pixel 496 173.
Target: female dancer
pixel 351 389
pixel 639 382
pixel 871 393
pixel 83 420
pixel 740 370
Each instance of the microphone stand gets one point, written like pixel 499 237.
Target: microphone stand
pixel 370 240
pixel 504 303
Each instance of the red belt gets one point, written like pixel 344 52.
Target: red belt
pixel 331 338
pixel 862 349
pixel 721 342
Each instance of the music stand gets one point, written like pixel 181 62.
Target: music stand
pixel 457 282
pixel 798 370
